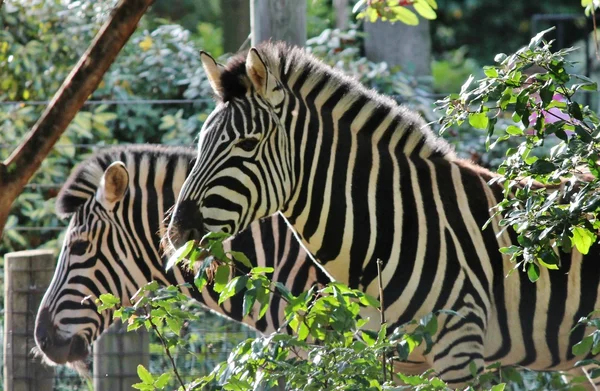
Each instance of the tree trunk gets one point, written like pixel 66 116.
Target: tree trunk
pixel 16 171
pixel 278 20
pixel 342 15
pixel 400 44
pixel 236 24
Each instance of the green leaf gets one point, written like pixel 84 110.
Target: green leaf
pixel 575 110
pixel 498 387
pixel 537 39
pixel 510 250
pixel 478 120
pixel 583 239
pixel 546 93
pixel 221 278
pixel 369 301
pixel 241 258
pixel 542 166
pixel 490 71
pixel 162 380
pixel 181 253
pixel 425 10
pixel 514 130
pixel 144 375
pixel 585 136
pixel 174 324
pixel 405 16
pixel 249 299
pixel 234 286
pixel 107 301
pixel 262 270
pixel 533 272
pixel 583 347
pixel 500 57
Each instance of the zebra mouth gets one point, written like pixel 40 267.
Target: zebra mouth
pixel 55 348
pixel 59 352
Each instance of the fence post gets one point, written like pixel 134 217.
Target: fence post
pixel 117 354
pixel 27 276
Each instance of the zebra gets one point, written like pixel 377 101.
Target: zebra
pixel 117 200
pixel 361 178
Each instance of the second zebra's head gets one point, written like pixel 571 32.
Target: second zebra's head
pixel 243 169
pixel 116 201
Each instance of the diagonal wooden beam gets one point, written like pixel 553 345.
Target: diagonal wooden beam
pixel 20 166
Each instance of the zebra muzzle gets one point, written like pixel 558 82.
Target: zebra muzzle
pixel 56 349
pixel 186 224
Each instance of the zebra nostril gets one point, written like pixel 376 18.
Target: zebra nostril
pixel 44 343
pixel 186 224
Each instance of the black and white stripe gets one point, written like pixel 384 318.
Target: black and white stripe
pixel 117 249
pixel 361 178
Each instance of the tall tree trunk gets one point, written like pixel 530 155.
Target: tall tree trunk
pixel 236 23
pixel 20 166
pixel 342 14
pixel 278 20
pixel 400 44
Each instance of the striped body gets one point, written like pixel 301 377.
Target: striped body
pixel 115 248
pixel 361 178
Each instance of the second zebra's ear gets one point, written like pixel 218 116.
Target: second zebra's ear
pixel 213 72
pixel 114 184
pixel 257 71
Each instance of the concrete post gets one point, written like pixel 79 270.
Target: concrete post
pixel 278 20
pixel 117 353
pixel 27 276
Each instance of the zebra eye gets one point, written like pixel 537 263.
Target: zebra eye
pixel 79 247
pixel 247 144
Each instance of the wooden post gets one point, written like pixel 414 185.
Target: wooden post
pixel 342 14
pixel 400 44
pixel 117 353
pixel 27 276
pixel 236 24
pixel 278 20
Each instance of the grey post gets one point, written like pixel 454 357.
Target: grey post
pixel 27 276
pixel 117 353
pixel 400 44
pixel 278 20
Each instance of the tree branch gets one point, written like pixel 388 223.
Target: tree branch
pixel 16 171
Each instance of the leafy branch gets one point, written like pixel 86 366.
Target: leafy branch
pixel 552 202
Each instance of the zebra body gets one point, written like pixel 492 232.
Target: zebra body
pixel 361 178
pixel 117 200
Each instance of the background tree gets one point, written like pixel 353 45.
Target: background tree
pixel 236 24
pixel 20 166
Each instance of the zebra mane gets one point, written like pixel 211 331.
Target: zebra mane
pixel 284 61
pixel 85 178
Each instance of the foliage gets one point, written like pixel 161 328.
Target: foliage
pixel 533 88
pixel 40 43
pixel 325 344
pixel 499 25
pixel 395 10
pixel 328 346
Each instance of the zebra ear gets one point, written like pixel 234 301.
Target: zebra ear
pixel 213 72
pixel 257 71
pixel 114 183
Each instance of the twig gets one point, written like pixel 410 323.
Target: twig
pixel 167 351
pixel 382 311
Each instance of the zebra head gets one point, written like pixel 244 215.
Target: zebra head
pixel 243 167
pixel 100 250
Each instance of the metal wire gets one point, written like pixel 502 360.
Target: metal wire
pixel 111 102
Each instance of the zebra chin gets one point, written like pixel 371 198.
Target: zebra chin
pixel 55 349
